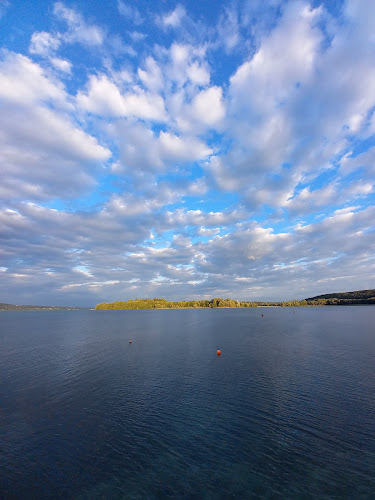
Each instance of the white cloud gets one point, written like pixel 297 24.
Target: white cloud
pixel 288 114
pixel 24 82
pixel 152 76
pixel 43 153
pixel 78 30
pixel 137 36
pixel 284 59
pixel 229 30
pixel 185 149
pixel 142 150
pixel 335 193
pixel 187 64
pixel 183 217
pixel 205 111
pixel 53 160
pixel 61 64
pixel 309 200
pixel 198 74
pixel 244 262
pixel 173 19
pixel 103 97
pixel 146 106
pixel 207 106
pixel 364 161
pixel 43 43
pixel 286 137
pixel 203 231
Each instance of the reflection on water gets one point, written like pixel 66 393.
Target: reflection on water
pixel 287 410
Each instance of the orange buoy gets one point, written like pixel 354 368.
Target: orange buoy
pixel 218 352
pixel 130 341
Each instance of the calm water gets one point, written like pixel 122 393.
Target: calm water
pixel 287 411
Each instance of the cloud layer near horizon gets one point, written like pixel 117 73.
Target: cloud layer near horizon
pixel 187 154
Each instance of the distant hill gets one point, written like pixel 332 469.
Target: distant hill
pixel 342 298
pixel 14 307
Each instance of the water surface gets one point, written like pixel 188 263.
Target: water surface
pixel 287 410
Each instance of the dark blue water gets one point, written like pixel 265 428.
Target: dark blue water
pixel 287 411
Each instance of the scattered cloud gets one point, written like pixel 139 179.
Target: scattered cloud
pixel 78 29
pixel 229 29
pixel 43 43
pixel 173 19
pixel 103 97
pixel 197 154
pixel 56 155
pixel 130 12
pixel 61 64
pixel 141 150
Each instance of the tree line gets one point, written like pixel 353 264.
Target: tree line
pixel 166 304
pixel 190 304
pixel 347 298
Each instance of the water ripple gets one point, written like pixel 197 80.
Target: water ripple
pixel 287 411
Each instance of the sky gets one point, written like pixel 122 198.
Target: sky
pixel 186 150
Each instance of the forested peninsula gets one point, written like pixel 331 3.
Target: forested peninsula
pixel 344 298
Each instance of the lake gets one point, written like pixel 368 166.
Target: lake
pixel 287 410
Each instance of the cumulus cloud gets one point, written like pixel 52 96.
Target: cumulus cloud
pixel 208 107
pixel 44 154
pixel 46 45
pixel 324 250
pixel 242 262
pixel 365 161
pixel 23 82
pixel 186 64
pixel 289 114
pixel 232 156
pixel 333 194
pixel 143 150
pixel 204 112
pixel 151 76
pixel 103 97
pixel 183 218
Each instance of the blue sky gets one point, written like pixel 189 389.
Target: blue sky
pixel 186 150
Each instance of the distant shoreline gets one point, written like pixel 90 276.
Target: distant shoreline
pixel 51 309
pixel 13 307
pixel 345 298
pixel 359 297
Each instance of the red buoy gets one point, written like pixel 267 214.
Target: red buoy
pixel 130 341
pixel 262 314
pixel 218 352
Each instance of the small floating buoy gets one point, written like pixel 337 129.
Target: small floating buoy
pixel 130 341
pixel 218 352
pixel 262 314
